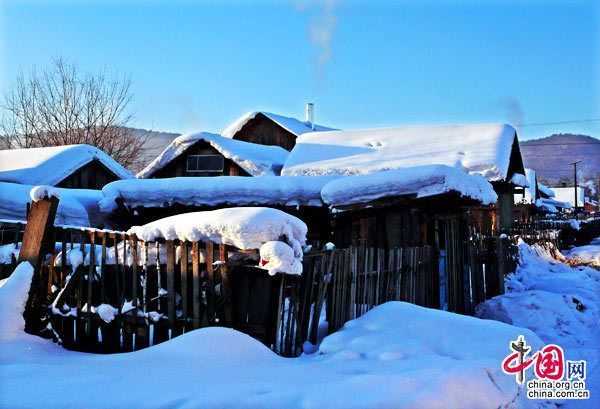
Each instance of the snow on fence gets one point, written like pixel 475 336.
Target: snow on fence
pixel 109 291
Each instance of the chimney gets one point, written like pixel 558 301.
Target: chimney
pixel 310 115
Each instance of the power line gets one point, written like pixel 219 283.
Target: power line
pixel 574 121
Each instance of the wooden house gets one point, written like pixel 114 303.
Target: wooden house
pixel 205 154
pixel 534 201
pixel 489 150
pixel 266 128
pixel 68 166
pixel 140 201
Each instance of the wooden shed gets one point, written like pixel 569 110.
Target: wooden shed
pixel 205 154
pixel 68 166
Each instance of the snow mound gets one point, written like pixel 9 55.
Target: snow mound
pixel 13 296
pixel 397 355
pixel 559 303
pixel 257 160
pixel 585 255
pixel 43 192
pixel 278 257
pixel 76 206
pixel 427 180
pixel 245 228
pixel 483 149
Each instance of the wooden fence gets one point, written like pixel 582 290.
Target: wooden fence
pixel 107 291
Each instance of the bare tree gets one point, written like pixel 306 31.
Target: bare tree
pixel 61 106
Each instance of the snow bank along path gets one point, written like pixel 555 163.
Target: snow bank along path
pixel 561 304
pixel 397 355
pixel 245 228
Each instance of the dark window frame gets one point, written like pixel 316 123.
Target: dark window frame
pixel 198 158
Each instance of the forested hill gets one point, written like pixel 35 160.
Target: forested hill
pixel 551 156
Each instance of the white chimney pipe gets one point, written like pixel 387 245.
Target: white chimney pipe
pixel 310 115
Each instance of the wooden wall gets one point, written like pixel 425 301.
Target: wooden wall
pixel 264 131
pixel 93 175
pixel 178 167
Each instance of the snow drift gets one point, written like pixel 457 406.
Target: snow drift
pixel 397 355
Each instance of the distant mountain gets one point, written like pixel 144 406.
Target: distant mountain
pixel 157 141
pixel 551 158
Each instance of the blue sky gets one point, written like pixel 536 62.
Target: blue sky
pixel 200 65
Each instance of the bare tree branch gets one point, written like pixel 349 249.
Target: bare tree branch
pixel 61 106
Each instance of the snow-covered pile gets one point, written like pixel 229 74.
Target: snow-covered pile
pixel 213 191
pixel 74 208
pixel 292 125
pixel 481 149
pixel 51 165
pixel 585 255
pixel 8 253
pixel 257 160
pixel 561 304
pixel 398 355
pixel 421 181
pixel 244 228
pixel 38 193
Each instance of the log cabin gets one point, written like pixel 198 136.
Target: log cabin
pixel 205 154
pixel 489 150
pixel 266 128
pixel 67 166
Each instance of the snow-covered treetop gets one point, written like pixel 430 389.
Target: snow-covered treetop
pixel 257 160
pixel 244 227
pixel 422 181
pixel 292 125
pixel 483 149
pixel 51 165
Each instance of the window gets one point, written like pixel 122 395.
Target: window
pixel 205 163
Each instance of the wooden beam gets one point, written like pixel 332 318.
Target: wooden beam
pixel 35 244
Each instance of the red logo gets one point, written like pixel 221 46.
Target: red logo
pixel 549 362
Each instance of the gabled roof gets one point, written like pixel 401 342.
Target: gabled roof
pixel 257 160
pixel 51 165
pixel 490 150
pixel 292 125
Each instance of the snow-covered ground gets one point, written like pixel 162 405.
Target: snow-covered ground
pixel 560 303
pixel 397 355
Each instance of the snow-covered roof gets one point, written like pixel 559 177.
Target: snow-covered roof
pixel 483 149
pixel 295 190
pixel 75 208
pixel 553 204
pixel 214 191
pixel 292 125
pixel 422 181
pixel 257 160
pixel 567 194
pixel 51 165
pixel 545 190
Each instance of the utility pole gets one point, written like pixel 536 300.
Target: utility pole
pixel 575 181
